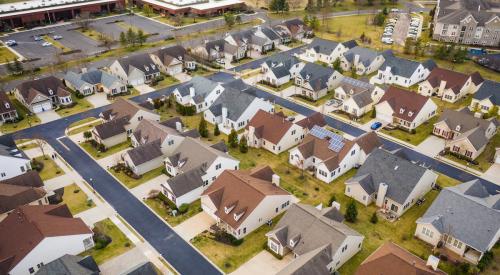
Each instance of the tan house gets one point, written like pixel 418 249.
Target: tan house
pixel 43 94
pixel 242 201
pixel 450 85
pixel 173 60
pixel 487 99
pixel 358 97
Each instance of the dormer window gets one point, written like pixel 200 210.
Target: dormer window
pixel 229 208
pixel 153 66
pixel 402 110
pixel 51 92
pixel 237 216
pixel 458 128
pixel 147 69
pixel 410 113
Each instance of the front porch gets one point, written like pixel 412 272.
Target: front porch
pixel 470 255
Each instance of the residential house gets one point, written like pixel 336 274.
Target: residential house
pixel 390 180
pixel 43 94
pixel 70 265
pixel 135 70
pixel 255 41
pixel 8 111
pixel 284 34
pixel 121 118
pixel 220 51
pixel 358 97
pixel 314 81
pixel 405 109
pixel 322 50
pixel 94 81
pixel 464 133
pixel 13 162
pixel 464 219
pixel 296 28
pixel 193 167
pixel 364 61
pixel 402 72
pixel 200 92
pixel 242 201
pixel 392 259
pixel 173 60
pixel 279 69
pixel 330 155
pixel 319 240
pixel 27 188
pixel 235 107
pixel 487 98
pixel 32 236
pixel 450 85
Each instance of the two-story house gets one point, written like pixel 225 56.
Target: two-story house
pixel 322 50
pixel 199 92
pixel 13 162
pixel 8 111
pixel 364 61
pixel 43 94
pixel 135 70
pixel 358 97
pixel 279 69
pixel 487 98
pixel 173 60
pixel 313 81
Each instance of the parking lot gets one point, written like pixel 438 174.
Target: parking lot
pixel 400 27
pixel 113 26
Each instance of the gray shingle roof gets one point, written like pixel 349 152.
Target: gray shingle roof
pixel 142 62
pixel 145 152
pixel 270 33
pixel 281 64
pixel 236 102
pixel 323 46
pixel 70 265
pixel 202 86
pixel 469 212
pixel 316 75
pixel 366 56
pixel 92 77
pixel 403 67
pixel 489 89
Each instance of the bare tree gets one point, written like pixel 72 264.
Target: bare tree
pixel 106 41
pixel 301 165
pixel 40 143
pixel 83 20
pixel 294 4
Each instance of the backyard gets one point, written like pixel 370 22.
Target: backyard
pixel 131 182
pixel 27 120
pixel 50 169
pixel 76 200
pixel 161 207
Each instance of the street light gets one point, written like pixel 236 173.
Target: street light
pixel 92 184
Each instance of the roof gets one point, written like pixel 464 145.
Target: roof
pixel 235 101
pixel 323 46
pixel 452 12
pixel 146 268
pixel 314 119
pixel 12 196
pixel 280 64
pixel 149 130
pixel 391 259
pixel 476 137
pixel 350 44
pixel 240 191
pixel 457 207
pixel 29 179
pixel 489 90
pixel 201 87
pixel 167 54
pixel 91 77
pixel 314 262
pixel 70 265
pixel 269 33
pixel 145 152
pixel 360 91
pixel 366 56
pixel 316 75
pixel 27 226
pixel 403 67
pixel 454 80
pixel 9 148
pixel 462 121
pixel 5 103
pixel 111 128
pixel 142 62
pixel 123 108
pixel 47 86
pixel 268 126
pixel 405 104
pixel 381 166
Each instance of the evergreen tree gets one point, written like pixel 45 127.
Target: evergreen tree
pixel 229 18
pixel 408 44
pixel 352 212
pixel 202 128
pixel 374 218
pixel 374 112
pixel 123 39
pixel 18 67
pixel 141 38
pixel 314 23
pixel 216 130
pixel 243 144
pixel 336 66
pixel 131 38
pixel 310 6
pixel 232 139
pixel 319 4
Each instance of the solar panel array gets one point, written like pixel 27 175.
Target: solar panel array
pixel 356 82
pixel 336 141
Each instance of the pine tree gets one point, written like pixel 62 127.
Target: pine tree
pixel 202 128
pixel 18 67
pixel 337 66
pixel 131 37
pixel 374 112
pixel 216 130
pixel 374 218
pixel 351 213
pixel 243 145
pixel 232 139
pixel 123 39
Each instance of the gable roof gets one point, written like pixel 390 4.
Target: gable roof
pixel 123 108
pixel 454 80
pixel 405 104
pixel 27 226
pixel 167 54
pixel 29 179
pixel 70 265
pixel 5 103
pixel 8 148
pixel 462 121
pixel 111 128
pixel 271 127
pixel 280 64
pixel 489 90
pixel 403 67
pixel 235 101
pixel 145 152
pixel 91 77
pixel 316 75
pixel 149 130
pixel 201 86
pixel 360 91
pixel 366 56
pixel 47 86
pixel 323 46
pixel 242 192
pixel 314 119
pixel 457 207
pixel 20 190
pixel 142 62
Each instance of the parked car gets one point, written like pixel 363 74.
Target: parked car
pixel 57 37
pixel 37 38
pixel 376 125
pixel 10 43
pixel 46 44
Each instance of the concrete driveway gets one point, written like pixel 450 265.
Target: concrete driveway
pixel 48 116
pixel 493 173
pixel 124 262
pixel 143 190
pixel 263 264
pixel 194 226
pixel 431 146
pixel 182 77
pixel 144 89
pixel 98 99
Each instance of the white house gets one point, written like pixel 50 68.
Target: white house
pixel 364 61
pixel 173 60
pixel 487 98
pixel 43 94
pixel 400 185
pixel 13 162
pixel 405 109
pixel 199 92
pixel 34 235
pixel 323 50
pixel 242 201
pixel 193 167
pixel 450 85
pixel 295 28
pixel 93 81
pixel 330 155
pixel 358 97
pixel 135 70
pixel 279 69
pixel 314 81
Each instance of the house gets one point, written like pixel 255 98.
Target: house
pixel 173 60
pixel 270 34
pixel 27 188
pixel 447 222
pixel 358 97
pixel 13 162
pixel 242 201
pixel 296 28
pixel 320 242
pixel 152 142
pixel 120 120
pixel 32 236
pixel 8 111
pixel 94 81
pixel 254 41
pixel 487 98
pixel 199 92
pixel 70 265
pixel 330 155
pixel 235 107
pixel 390 180
pixel 43 94
pixel 219 51
pixel 284 34
pixel 193 166
pixel 404 108
pixel 279 69
pixel 322 50
pixel 402 72
pixel 314 81
pixel 364 61
pixel 392 259
pixel 135 70
pixel 143 268
pixel 464 133
pixel 450 85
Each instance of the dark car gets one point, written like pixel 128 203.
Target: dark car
pixel 376 125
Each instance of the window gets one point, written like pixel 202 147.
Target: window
pixel 22 169
pixel 3 174
pixel 140 118
pixel 276 209
pixel 170 142
pixel 39 265
pixel 244 230
pixel 218 166
pixel 31 270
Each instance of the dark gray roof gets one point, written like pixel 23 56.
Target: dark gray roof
pixel 323 46
pixel 236 102
pixel 92 77
pixel 270 33
pixel 476 137
pixel 111 128
pixel 70 265
pixel 469 211
pixel 316 75
pixel 489 89
pixel 350 44
pixel 452 12
pixel 403 67
pixel 366 56
pixel 400 175
pixel 281 64
pixel 146 268
pixel 221 146
pixel 312 263
pixel 202 86
pixel 146 152
pixel 187 181
pixel 142 62
pixel 9 148
pixel 465 121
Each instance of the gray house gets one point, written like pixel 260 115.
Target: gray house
pixel 89 82
pixel 363 60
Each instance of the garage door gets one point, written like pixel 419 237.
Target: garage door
pixel 384 117
pixel 177 69
pixel 41 107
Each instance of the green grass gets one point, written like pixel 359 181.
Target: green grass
pixel 484 159
pixel 316 103
pixel 200 71
pixel 131 183
pixel 126 26
pixel 362 120
pixel 29 146
pixel 99 155
pixel 422 132
pixel 164 211
pixel 228 257
pixel 117 246
pixel 27 121
pixel 50 169
pixel 167 81
pixel 76 200
pixel 286 111
pixel 81 122
pixel 78 129
pixel 56 43
pixel 279 88
pixel 7 54
pixel 81 105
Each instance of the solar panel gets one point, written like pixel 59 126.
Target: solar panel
pixel 336 141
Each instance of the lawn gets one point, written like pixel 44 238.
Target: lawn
pixel 167 81
pixel 126 26
pixel 228 257
pixel 78 129
pixel 200 71
pixel 421 132
pixel 119 244
pixel 286 111
pixel 316 103
pixel 131 183
pixel 99 155
pixel 50 169
pixel 81 105
pixel 91 33
pixel 362 120
pixel 76 200
pixel 185 20
pixel 7 54
pixel 28 146
pixel 484 159
pixel 163 210
pixel 27 121
pixel 279 88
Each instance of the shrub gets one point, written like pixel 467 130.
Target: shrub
pixel 352 212
pixel 374 218
pixel 183 208
pixel 485 260
pixel 101 240
pixel 76 191
pixel 127 244
pixel 332 199
pixel 243 145
pixel 216 130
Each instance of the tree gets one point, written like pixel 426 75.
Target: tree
pixel 123 39
pixel 314 23
pixel 203 128
pixel 131 38
pixel 243 144
pixel 216 130
pixel 18 67
pixel 374 218
pixel 353 71
pixel 332 199
pixel 310 6
pixel 147 10
pixel 141 38
pixel 306 20
pixel 352 212
pixel 408 43
pixel 379 19
pixel 337 65
pixel 232 139
pixel 238 19
pixel 229 18
pixel 87 135
pixel 374 112
pixel 40 143
pixel 106 41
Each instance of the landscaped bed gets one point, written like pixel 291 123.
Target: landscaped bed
pixel 163 207
pixel 47 168
pixel 131 181
pixel 76 200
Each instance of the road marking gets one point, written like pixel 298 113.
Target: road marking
pixel 58 140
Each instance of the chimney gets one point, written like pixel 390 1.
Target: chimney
pixel 84 70
pixel 382 191
pixel 191 91
pixel 276 180
pixel 224 113
pixel 433 262
pixel 335 205
pixel 178 126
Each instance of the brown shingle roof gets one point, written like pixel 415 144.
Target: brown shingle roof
pixel 312 120
pixel 29 179
pixel 454 80
pixel 5 103
pixel 271 127
pixel 404 103
pixel 123 108
pixel 111 128
pixel 12 196
pixel 391 259
pixel 27 226
pixel 29 89
pixel 368 142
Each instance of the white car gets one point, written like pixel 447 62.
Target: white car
pixel 394 10
pixel 37 38
pixel 46 44
pixel 10 43
pixel 57 37
pixel 387 40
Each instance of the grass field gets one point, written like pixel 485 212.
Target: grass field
pixel 163 211
pixel 131 183
pixel 167 81
pixel 81 105
pixel 22 111
pixel 50 169
pixel 422 132
pixel 6 54
pixel 76 200
pixel 78 129
pixel 99 155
